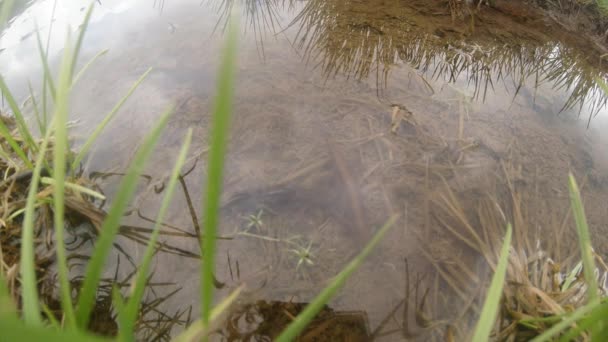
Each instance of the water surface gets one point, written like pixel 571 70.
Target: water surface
pixel 346 112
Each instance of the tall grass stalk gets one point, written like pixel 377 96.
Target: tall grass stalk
pixel 48 76
pixel 86 67
pixel 31 308
pixel 21 125
pixel 111 224
pixel 583 238
pixel 7 307
pixel 6 134
pixel 83 30
pixel 59 170
pixel 489 312
pixel 130 314
pixel 219 136
pixel 39 122
pixel 14 329
pixel 75 187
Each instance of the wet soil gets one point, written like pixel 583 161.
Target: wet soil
pixel 347 112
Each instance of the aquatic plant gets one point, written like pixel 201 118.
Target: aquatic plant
pixel 575 308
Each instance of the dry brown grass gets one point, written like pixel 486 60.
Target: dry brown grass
pixel 467 229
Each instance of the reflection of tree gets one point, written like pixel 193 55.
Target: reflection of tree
pixel 261 16
pixel 361 38
pixel 334 34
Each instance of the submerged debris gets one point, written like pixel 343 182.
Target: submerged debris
pixel 265 320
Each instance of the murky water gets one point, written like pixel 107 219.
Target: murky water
pixel 346 113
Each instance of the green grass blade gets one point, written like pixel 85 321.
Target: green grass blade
pixel 306 316
pixel 487 318
pixel 6 134
pixel 567 322
pixel 584 324
pixel 111 224
pixel 75 187
pixel 41 126
pixel 571 277
pixel 118 304
pixel 50 317
pixel 219 136
pixel 7 306
pixel 60 150
pixel 45 115
pixel 130 316
pixel 584 239
pixel 83 30
pixel 88 65
pixel 11 163
pixel 599 315
pixel 45 75
pixel 29 290
pixel 22 210
pixel 48 76
pixel 93 137
pixel 15 330
pixel 21 125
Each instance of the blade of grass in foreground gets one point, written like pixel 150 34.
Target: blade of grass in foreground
pixel 567 322
pixel 587 257
pixel 111 224
pixel 219 137
pixel 14 329
pixel 311 310
pixel 21 125
pixel 6 134
pixel 29 288
pixel 48 76
pixel 592 321
pixel 60 150
pixel 583 238
pixel 93 137
pixel 127 328
pixel 487 318
pixel 88 65
pixel 83 30
pixel 75 187
pixel 7 306
pixel 41 127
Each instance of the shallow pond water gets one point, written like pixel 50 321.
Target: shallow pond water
pixel 346 112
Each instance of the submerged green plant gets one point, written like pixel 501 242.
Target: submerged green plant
pixel 255 220
pixel 304 255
